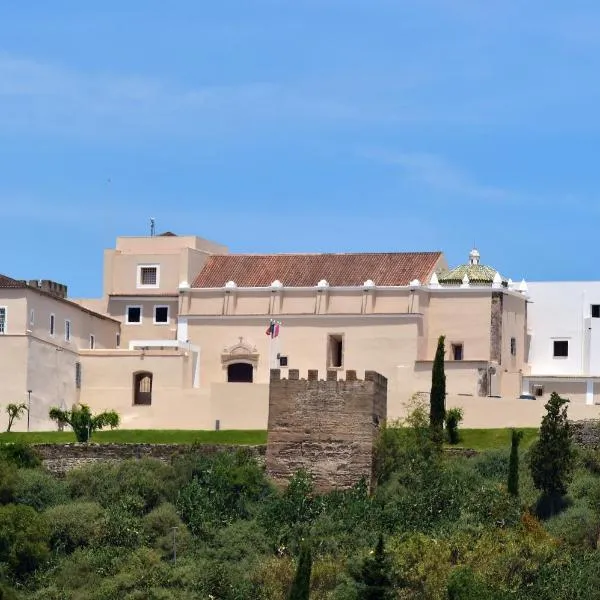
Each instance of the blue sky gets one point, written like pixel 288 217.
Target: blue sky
pixel 305 125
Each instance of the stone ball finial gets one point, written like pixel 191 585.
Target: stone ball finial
pixel 369 283
pixel 231 284
pixel 497 281
pixel 323 283
pixel 276 284
pixel 523 287
pixel 415 283
pixel 434 282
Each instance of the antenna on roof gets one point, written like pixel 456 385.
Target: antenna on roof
pixel 152 227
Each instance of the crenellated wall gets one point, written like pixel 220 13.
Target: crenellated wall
pixel 327 427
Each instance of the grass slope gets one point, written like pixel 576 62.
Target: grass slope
pixel 144 436
pixel 487 439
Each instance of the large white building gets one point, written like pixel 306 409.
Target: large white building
pixel 564 340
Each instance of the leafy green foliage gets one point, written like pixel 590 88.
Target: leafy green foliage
pixel 437 400
pixel 552 457
pixel 23 540
pixel 20 454
pixel 373 578
pixel 453 417
pixel 39 489
pixel 83 422
pixel 14 412
pixel 513 465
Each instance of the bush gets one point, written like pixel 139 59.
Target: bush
pixel 39 489
pixel 8 482
pixel 20 454
pixel 158 527
pixel 492 464
pixel 578 526
pixel 23 539
pixel 453 417
pixel 74 525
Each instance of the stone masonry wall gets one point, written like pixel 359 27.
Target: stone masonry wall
pixel 327 427
pixel 60 458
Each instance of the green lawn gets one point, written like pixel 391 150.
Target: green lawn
pixel 487 439
pixel 477 439
pixel 144 436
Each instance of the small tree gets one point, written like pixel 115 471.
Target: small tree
pixel 513 465
pixel 453 417
pixel 437 399
pixel 14 412
pixel 300 589
pixel 374 577
pixel 82 421
pixel 552 457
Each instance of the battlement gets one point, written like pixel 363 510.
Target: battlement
pixel 331 375
pixel 325 426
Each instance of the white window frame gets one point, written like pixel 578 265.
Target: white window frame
pixel 67 330
pixel 4 328
pixel 127 321
pixel 92 341
pixel 143 286
pixel 52 324
pixel 168 314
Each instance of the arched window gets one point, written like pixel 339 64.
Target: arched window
pixel 142 388
pixel 239 373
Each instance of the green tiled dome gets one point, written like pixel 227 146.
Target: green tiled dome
pixel 478 274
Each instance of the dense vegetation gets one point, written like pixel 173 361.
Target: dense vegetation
pixel 437 527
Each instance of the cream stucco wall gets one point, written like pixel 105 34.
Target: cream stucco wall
pixel 13 376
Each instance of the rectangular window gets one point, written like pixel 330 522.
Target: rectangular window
pixel 148 276
pixel 161 315
pixel 513 346
pixel 134 314
pixel 2 320
pixel 67 330
pixel 32 318
pixel 118 340
pixel 538 390
pixel 283 361
pixel 561 348
pixel 52 325
pixel 457 351
pixel 92 341
pixel 335 351
pixel 595 311
pixel 77 375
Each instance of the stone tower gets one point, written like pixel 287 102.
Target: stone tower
pixel 327 427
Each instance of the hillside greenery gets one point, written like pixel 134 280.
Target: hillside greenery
pixel 437 526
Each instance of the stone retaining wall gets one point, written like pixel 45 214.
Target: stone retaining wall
pixel 60 458
pixel 586 433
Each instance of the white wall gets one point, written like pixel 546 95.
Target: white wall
pixel 561 311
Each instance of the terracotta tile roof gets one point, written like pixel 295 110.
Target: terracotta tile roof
pixel 306 270
pixel 9 282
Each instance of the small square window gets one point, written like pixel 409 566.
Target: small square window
pixel 161 315
pixel 67 330
pixel 513 346
pixel 134 314
pixel 283 361
pixel 561 348
pixel 92 341
pixel 147 276
pixel 538 390
pixel 457 351
pixel 52 325
pixel 595 311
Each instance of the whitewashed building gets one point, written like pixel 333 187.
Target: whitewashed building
pixel 564 340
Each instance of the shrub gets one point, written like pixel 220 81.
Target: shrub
pixel 453 417
pixel 492 464
pixel 83 422
pixel 578 526
pixel 39 489
pixel 159 530
pixel 8 482
pixel 74 525
pixel 20 454
pixel 23 539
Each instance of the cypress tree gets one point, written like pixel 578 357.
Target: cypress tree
pixel 374 580
pixel 437 399
pixel 552 457
pixel 513 465
pixel 300 589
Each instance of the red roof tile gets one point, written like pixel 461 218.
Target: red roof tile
pixel 306 270
pixel 9 282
